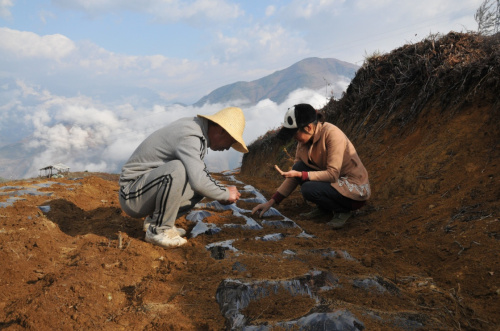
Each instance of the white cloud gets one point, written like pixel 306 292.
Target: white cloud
pixel 309 9
pixel 347 29
pixel 83 68
pixel 270 10
pixel 87 135
pixel 264 45
pixel 30 45
pixel 231 47
pixel 212 10
pixel 162 10
pixel 59 64
pixel 45 15
pixel 5 8
pixel 372 5
pixel 419 10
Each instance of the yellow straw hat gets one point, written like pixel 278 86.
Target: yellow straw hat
pixel 232 120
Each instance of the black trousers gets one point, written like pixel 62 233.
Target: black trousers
pixel 323 194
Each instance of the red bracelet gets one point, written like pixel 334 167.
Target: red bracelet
pixel 305 176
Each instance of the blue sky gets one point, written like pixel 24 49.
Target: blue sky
pixel 121 65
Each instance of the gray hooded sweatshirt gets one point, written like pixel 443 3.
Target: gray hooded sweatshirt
pixel 186 140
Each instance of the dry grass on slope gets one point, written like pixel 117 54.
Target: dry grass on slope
pixel 445 72
pixel 441 75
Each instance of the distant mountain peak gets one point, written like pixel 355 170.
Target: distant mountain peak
pixel 312 73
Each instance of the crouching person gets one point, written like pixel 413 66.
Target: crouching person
pixel 166 175
pixel 326 166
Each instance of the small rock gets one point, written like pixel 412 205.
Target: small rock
pixel 367 261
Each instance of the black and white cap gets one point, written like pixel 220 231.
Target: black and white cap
pixel 297 117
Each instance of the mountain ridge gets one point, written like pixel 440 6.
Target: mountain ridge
pixel 313 73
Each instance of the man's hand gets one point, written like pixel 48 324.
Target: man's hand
pixel 288 174
pixel 234 196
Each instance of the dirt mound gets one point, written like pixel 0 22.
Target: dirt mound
pixel 425 120
pixel 423 254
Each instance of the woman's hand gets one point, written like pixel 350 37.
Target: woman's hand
pixel 262 208
pixel 288 174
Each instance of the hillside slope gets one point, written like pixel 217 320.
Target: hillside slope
pixel 425 120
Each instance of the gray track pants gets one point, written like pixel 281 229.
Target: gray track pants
pixel 164 194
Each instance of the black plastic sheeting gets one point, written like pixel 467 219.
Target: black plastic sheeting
pixel 234 295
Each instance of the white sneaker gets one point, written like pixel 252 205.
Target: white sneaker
pixel 165 239
pixel 180 231
pixel 147 222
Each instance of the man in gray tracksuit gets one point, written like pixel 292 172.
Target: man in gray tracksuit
pixel 166 175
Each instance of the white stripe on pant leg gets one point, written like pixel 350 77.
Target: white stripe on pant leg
pixel 167 181
pixel 137 202
pixel 169 200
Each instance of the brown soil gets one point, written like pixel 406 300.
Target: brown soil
pixel 431 227
pixel 423 254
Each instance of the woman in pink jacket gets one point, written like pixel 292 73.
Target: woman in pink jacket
pixel 326 166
